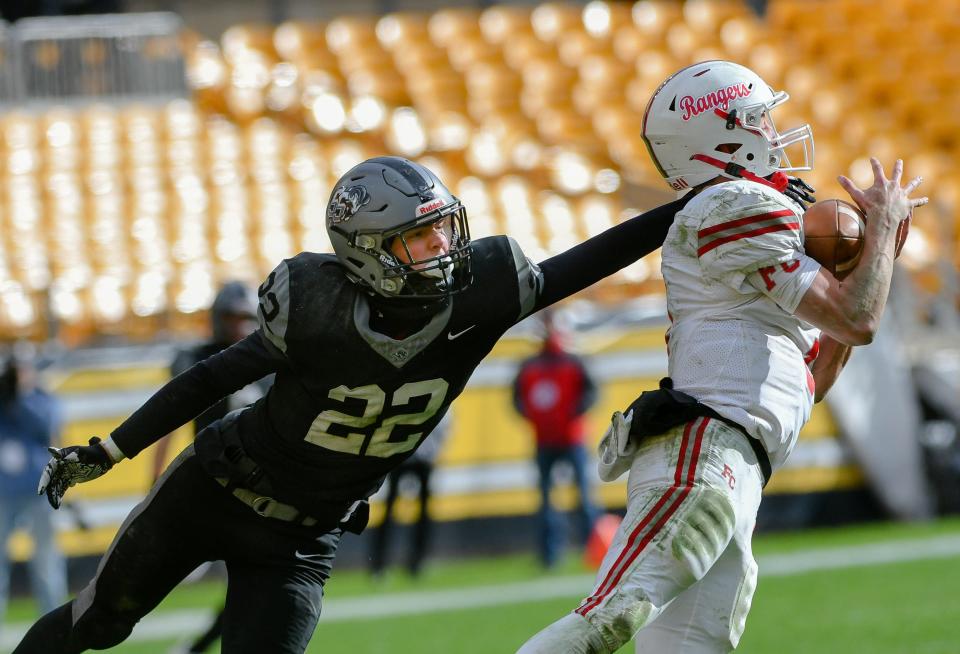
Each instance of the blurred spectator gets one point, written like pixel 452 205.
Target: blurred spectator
pixel 232 317
pixel 553 390
pixel 420 467
pixel 30 420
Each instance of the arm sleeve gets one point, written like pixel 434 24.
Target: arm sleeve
pixel 190 393
pixel 605 253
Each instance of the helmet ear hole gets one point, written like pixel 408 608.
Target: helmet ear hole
pixel 749 156
pixel 728 148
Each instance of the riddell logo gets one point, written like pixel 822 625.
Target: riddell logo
pixel 427 207
pixel 720 98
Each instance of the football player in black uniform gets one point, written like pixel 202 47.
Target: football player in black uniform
pixel 369 348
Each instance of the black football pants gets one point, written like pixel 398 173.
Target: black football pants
pixel 276 571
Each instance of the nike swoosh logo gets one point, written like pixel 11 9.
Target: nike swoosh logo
pixel 451 335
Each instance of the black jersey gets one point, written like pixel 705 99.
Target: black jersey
pixel 348 404
pixel 353 403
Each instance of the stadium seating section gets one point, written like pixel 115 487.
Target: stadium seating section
pixel 122 219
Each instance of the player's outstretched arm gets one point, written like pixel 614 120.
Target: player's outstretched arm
pixel 199 387
pixel 850 310
pixel 606 253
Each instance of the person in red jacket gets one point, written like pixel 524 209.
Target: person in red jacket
pixel 553 391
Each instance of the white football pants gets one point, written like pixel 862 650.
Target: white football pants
pixel 680 566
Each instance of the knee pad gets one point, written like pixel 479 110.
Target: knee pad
pixel 624 620
pixel 99 628
pixel 571 633
pixel 705 531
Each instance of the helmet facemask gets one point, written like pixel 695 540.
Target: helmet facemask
pixel 430 278
pixel 758 118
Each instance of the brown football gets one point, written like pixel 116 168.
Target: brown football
pixel 833 235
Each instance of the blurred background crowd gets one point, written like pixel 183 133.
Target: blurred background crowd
pixel 153 152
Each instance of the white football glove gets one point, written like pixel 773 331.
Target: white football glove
pixel 616 450
pixel 70 466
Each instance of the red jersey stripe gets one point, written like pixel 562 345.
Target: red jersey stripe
pixel 739 222
pixel 603 588
pixel 756 232
pixel 621 565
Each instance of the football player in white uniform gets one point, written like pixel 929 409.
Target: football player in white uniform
pixel 758 333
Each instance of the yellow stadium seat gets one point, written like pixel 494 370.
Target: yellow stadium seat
pixel 437 91
pixel 502 24
pixel 602 81
pixel 524 48
pixel 602 18
pixel 629 44
pixel 738 34
pixel 397 30
pixel 469 51
pixel 448 26
pixel 554 21
pixel 560 124
pixel 575 46
pixel 14 126
pixel 294 40
pixel 654 17
pixel 706 16
pixel 681 41
pixel 239 39
pixel 383 83
pixel 545 83
pixel 351 34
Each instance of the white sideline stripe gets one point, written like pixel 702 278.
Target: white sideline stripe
pixel 167 625
pixel 782 565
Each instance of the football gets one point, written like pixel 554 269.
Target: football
pixel 833 235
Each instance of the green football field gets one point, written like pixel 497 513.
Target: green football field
pixel 871 589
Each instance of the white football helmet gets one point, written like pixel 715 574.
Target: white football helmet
pixel 713 118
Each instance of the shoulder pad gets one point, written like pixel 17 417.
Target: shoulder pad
pixel 738 214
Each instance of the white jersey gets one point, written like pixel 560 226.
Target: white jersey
pixel 735 271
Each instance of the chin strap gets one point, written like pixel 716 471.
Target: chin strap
pixel 777 180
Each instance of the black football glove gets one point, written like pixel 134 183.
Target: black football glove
pixel 800 192
pixel 70 466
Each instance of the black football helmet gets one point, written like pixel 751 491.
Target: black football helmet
pixel 379 201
